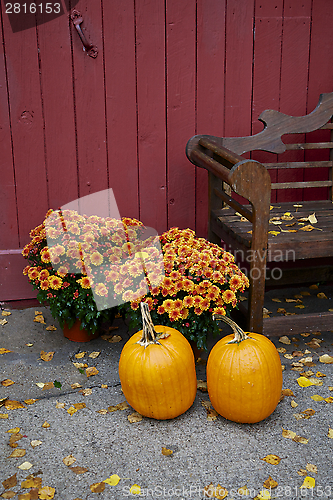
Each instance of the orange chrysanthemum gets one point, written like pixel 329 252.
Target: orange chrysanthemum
pixel 85 282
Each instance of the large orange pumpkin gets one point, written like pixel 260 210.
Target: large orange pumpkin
pixel 157 370
pixel 244 376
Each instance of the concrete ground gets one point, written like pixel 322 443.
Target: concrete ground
pixel 69 441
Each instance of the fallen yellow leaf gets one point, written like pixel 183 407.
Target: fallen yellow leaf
pixel 309 482
pixel 97 487
pixel 316 397
pixel 51 328
pixel 13 405
pixel 3 350
pixel 135 489
pixel 6 313
pixel 94 354
pixel 80 355
pixel 166 451
pixel 285 340
pixel 271 459
pixel 312 468
pixel 46 425
pixel 30 401
pixel 325 358
pixel 71 410
pixel 39 318
pixel 69 460
pixel 32 482
pixel 15 430
pixel 330 433
pixel 46 493
pixel 46 356
pixel 10 482
pixel 25 466
pixel 17 453
pixel 134 417
pixel 112 480
pixel 304 382
pixel 270 483
pixel 91 371
pixel 35 442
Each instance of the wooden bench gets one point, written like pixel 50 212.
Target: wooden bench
pixel 255 232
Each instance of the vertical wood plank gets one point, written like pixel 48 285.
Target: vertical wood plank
pixel 320 81
pixel 267 66
pixel 294 82
pixel 210 91
pixel 180 23
pixel 150 50
pixel 9 237
pixel 27 126
pixel 90 102
pixel 120 78
pixel 58 109
pixel 238 80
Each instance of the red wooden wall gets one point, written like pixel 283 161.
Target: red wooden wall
pixel 71 125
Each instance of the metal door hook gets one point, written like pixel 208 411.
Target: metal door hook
pixel 77 19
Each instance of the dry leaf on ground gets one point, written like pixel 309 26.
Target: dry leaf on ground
pixel 112 480
pixel 270 483
pixel 17 453
pixel 78 470
pixel 10 482
pixel 46 493
pixel 134 417
pixel 202 385
pixel 97 487
pixel 47 356
pixel 309 482
pixel 166 451
pixel 91 371
pixel 326 358
pixel 285 340
pixel 25 466
pixel 7 382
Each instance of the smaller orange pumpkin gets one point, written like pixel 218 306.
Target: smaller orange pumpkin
pixel 244 376
pixel 157 370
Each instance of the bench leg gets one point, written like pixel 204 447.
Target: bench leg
pixel 256 297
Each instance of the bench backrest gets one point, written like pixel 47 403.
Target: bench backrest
pixel 307 145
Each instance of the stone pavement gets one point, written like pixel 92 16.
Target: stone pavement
pixel 70 441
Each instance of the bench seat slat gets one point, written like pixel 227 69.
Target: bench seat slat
pixel 300 185
pixel 309 145
pixel 298 164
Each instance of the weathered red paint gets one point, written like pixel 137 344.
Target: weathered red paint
pixel 71 125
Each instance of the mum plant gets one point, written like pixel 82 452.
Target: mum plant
pixel 84 266
pixel 201 280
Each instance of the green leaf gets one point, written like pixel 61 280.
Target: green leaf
pixel 57 384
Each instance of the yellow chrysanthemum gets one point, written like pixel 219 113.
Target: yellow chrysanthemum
pixel 96 258
pixel 101 290
pixel 228 296
pixel 55 282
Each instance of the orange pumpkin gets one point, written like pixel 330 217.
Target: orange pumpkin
pixel 157 370
pixel 244 376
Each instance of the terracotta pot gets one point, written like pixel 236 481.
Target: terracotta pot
pixel 77 335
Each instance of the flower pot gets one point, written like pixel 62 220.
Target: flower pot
pixel 75 334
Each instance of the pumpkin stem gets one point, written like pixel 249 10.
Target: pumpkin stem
pixel 240 335
pixel 148 330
